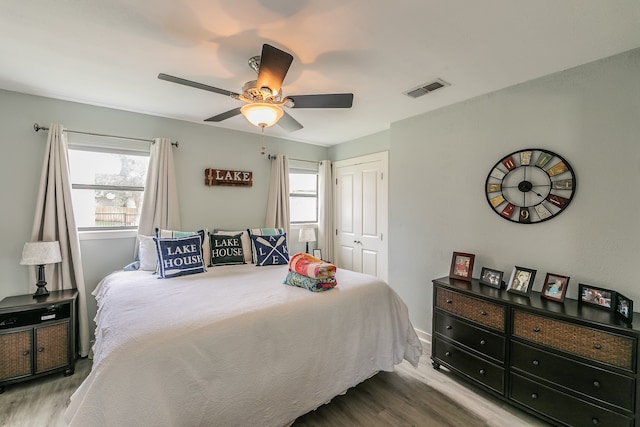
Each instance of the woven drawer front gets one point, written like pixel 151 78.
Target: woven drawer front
pixel 480 311
pixel 615 350
pixel 15 354
pixel 52 346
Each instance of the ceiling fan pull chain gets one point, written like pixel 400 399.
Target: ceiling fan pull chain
pixel 263 149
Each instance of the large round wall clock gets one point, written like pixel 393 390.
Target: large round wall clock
pixel 530 186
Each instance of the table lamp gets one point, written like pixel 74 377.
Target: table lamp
pixel 40 254
pixel 307 235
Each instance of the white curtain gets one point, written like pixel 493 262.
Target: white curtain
pixel 278 202
pixel 54 220
pixel 160 205
pixel 325 211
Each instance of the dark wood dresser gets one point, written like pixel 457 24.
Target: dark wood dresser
pixel 563 362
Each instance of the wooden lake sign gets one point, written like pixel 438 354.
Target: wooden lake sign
pixel 228 177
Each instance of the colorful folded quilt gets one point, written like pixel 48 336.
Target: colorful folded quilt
pixel 315 285
pixel 310 266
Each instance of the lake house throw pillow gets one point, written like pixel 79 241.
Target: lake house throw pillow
pixel 226 250
pixel 180 256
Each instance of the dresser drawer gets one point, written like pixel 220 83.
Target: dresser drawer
pixel 474 367
pixel 485 342
pixel 483 312
pixel 600 346
pixel 600 384
pixel 562 407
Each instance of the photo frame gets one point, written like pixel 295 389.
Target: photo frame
pixel 462 266
pixel 554 287
pixel 521 281
pixel 624 308
pixel 597 297
pixel 317 253
pixel 491 277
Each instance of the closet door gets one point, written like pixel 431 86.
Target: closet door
pixel 361 214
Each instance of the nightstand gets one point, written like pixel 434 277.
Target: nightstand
pixel 38 336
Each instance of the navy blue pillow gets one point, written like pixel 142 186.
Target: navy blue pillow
pixel 179 256
pixel 271 250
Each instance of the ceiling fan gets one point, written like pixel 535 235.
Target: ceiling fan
pixel 263 97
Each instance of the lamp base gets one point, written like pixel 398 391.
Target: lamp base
pixel 41 284
pixel 41 291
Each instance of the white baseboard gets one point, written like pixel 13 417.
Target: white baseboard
pixel 423 336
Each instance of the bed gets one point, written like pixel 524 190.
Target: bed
pixel 234 346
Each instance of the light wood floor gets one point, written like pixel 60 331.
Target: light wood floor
pixel 407 397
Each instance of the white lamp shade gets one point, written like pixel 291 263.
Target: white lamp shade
pixel 39 253
pixel 262 114
pixel 307 235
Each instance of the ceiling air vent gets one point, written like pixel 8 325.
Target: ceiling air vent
pixel 426 88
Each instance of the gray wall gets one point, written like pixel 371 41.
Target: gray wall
pixel 374 143
pixel 438 165
pixel 201 146
pixel 590 115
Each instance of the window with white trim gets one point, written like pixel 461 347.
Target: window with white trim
pixel 107 186
pixel 303 196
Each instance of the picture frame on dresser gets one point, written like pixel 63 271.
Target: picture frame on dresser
pixel 491 277
pixel 462 266
pixel 521 281
pixel 554 287
pixel 624 308
pixel 597 297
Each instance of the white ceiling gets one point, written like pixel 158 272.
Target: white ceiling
pixel 109 53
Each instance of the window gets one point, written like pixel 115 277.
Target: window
pixel 303 196
pixel 107 186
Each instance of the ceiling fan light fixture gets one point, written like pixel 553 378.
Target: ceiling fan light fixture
pixel 262 114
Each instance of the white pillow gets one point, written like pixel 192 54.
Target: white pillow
pixel 245 239
pixel 147 253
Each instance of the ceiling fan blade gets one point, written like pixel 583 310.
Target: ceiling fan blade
pixel 196 85
pixel 274 64
pixel 288 123
pixel 223 116
pixel 329 100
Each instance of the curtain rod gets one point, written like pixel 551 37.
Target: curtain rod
pixel 272 157
pixel 37 128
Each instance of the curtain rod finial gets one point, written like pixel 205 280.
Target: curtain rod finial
pixel 36 127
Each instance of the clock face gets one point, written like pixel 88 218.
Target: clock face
pixel 530 186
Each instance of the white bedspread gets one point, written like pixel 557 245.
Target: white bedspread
pixel 234 347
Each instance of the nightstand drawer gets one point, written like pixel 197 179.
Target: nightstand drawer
pixel 598 345
pixel 51 346
pixel 483 312
pixel 562 407
pixel 474 367
pixel 485 342
pixel 15 354
pixel 600 384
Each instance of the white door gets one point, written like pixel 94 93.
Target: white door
pixel 361 213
